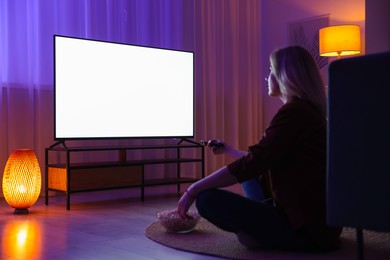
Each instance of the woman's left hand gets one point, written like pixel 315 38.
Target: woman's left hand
pixel 185 203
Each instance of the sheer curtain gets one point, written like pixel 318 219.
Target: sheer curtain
pixel 228 49
pixel 224 34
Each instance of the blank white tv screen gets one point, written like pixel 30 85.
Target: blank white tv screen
pixel 113 90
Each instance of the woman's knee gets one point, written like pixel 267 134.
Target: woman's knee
pixel 206 200
pixel 211 206
pixel 211 203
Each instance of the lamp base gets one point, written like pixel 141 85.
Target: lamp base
pixel 21 211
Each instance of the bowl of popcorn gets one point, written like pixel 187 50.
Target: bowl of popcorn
pixel 172 222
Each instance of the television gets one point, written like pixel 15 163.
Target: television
pixel 105 90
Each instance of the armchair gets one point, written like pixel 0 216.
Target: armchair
pixel 358 167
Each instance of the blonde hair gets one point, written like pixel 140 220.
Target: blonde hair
pixel 298 75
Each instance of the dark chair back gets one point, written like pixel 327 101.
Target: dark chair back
pixel 358 184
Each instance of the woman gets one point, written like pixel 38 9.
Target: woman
pixel 293 150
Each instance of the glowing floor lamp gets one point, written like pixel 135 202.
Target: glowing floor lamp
pixel 339 40
pixel 22 180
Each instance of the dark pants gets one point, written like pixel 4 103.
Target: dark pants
pixel 261 221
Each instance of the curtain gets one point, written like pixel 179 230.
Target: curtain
pixel 228 51
pixel 224 35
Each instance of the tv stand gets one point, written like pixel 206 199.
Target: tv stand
pixel 66 175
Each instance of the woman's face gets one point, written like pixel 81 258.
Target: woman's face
pixel 273 85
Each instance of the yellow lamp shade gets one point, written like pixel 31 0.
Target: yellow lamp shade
pixel 22 180
pixel 339 40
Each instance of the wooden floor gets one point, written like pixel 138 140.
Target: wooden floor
pixel 100 225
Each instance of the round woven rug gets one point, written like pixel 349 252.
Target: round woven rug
pixel 210 240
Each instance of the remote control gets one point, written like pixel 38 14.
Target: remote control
pixel 213 143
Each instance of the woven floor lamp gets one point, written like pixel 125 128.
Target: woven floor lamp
pixel 22 180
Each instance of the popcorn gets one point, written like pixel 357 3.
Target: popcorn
pixel 172 222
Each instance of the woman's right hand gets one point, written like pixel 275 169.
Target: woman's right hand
pixel 216 146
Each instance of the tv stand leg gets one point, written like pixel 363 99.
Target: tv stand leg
pixel 143 183
pixel 68 200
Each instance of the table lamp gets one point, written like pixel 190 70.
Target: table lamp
pixel 339 40
pixel 22 180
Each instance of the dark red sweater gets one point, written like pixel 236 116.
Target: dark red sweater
pixel 293 150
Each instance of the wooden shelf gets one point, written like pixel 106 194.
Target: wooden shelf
pixel 169 181
pixel 127 163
